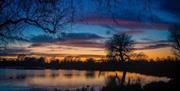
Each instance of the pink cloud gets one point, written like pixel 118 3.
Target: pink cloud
pixel 123 23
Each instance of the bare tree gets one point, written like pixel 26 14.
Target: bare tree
pixel 47 15
pixel 38 13
pixel 120 46
pixel 175 39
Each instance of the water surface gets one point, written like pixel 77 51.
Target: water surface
pixel 17 79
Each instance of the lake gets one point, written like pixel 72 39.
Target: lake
pixel 22 80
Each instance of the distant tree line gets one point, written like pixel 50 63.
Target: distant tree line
pixel 167 67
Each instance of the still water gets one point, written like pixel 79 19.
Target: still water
pixel 16 79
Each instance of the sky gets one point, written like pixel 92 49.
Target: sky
pixel 148 24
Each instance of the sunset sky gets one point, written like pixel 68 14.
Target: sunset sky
pixel 86 36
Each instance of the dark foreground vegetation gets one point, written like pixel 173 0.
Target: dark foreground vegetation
pixel 113 84
pixel 165 67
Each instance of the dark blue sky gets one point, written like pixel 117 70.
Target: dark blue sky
pixel 148 22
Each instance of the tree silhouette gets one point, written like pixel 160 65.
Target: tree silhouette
pixel 21 57
pixel 175 39
pixel 120 46
pixel 140 56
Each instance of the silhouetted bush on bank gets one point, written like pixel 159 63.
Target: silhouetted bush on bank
pixel 154 86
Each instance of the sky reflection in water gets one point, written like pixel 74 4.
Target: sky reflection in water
pixel 67 78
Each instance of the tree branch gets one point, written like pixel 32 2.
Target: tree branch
pixel 25 20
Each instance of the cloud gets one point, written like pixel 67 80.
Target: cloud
pixel 68 36
pixel 123 23
pixel 71 43
pixel 81 43
pixel 13 51
pixel 68 39
pixel 150 41
pixel 146 39
pixel 42 38
pixel 132 32
pixel 65 55
pixel 153 46
pixel 148 44
pixel 64 36
pixel 41 44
